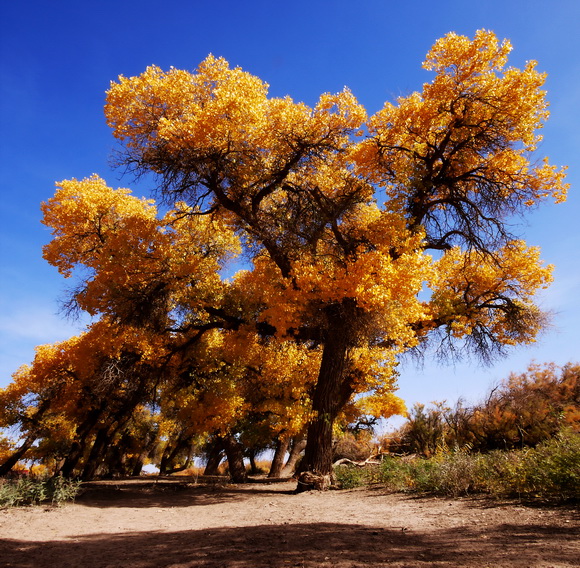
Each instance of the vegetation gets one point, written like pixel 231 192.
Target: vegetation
pixel 33 491
pixel 551 469
pixel 522 411
pixel 524 439
pixel 364 238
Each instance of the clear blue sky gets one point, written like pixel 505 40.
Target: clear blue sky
pixel 57 59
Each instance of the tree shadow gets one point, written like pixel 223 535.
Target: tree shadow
pixel 173 493
pixel 302 545
pixel 484 501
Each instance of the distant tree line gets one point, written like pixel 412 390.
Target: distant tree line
pixel 522 411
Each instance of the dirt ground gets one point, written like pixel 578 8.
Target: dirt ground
pixel 179 523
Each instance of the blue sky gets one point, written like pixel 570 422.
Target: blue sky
pixel 57 59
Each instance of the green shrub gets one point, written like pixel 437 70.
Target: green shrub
pixel 61 489
pixel 29 491
pixel 553 467
pixel 394 473
pixel 348 476
pixel 448 474
pixel 9 494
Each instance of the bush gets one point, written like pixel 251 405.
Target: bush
pixel 394 473
pixel 451 473
pixel 348 476
pixel 28 491
pixel 552 469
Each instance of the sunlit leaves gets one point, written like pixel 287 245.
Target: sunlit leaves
pixel 471 290
pixel 455 158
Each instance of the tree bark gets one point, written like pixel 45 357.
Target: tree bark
pixel 33 435
pixel 214 458
pixel 298 445
pixel 104 438
pixel 254 470
pixel 138 466
pixel 139 461
pixel 78 447
pixel 96 455
pixel 235 455
pixel 171 453
pixel 332 391
pixel 7 466
pixel 278 459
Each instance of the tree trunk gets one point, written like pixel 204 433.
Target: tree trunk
pixel 254 470
pixel 33 435
pixel 102 439
pixel 138 466
pixel 7 466
pixel 139 461
pixel 170 454
pixel 214 458
pixel 78 447
pixel 72 459
pixel 331 393
pixel 279 455
pixel 298 445
pixel 235 454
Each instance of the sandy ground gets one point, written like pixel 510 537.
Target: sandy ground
pixel 182 524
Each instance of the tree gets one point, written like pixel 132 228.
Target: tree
pixel 148 279
pixel 331 266
pixel 365 238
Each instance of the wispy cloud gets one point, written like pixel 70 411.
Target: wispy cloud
pixel 37 324
pixel 22 328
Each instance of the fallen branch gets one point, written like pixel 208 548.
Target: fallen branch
pixel 369 461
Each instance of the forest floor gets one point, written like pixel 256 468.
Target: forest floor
pixel 179 522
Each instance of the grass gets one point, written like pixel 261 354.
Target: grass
pixel 552 469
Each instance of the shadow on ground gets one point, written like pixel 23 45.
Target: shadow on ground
pixel 303 545
pixel 176 492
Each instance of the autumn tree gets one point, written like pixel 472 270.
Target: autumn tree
pixel 344 230
pixel 162 340
pixel 146 280
pixel 367 237
pixel 528 408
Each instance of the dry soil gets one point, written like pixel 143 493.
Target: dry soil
pixel 179 522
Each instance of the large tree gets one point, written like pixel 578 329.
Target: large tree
pixel 365 238
pixel 344 230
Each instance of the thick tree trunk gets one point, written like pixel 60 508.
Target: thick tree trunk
pixel 279 455
pixel 95 458
pixel 78 447
pixel 138 466
pixel 235 455
pixel 214 458
pixel 103 440
pixel 331 393
pixel 72 459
